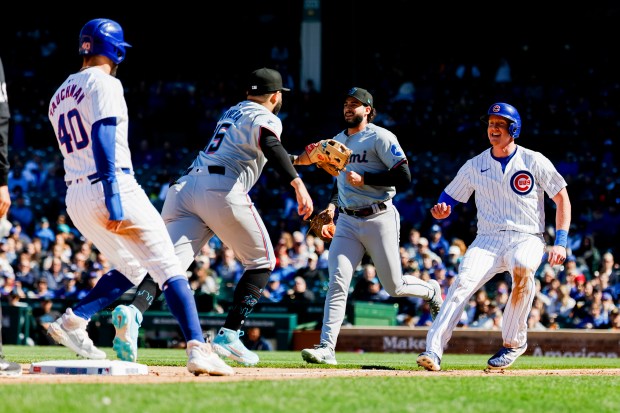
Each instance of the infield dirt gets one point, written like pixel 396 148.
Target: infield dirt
pixel 158 374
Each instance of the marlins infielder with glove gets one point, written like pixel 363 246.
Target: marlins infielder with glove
pixel 368 221
pixel 89 116
pixel 211 198
pixel 510 183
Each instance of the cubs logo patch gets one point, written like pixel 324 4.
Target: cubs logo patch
pixel 522 182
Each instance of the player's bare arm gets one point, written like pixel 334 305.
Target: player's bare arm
pixel 301 159
pixel 305 206
pixel 557 253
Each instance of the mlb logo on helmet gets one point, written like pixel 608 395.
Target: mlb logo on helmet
pixel 496 108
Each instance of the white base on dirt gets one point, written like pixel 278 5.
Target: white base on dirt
pixel 96 367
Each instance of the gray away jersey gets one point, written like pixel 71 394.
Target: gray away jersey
pixel 236 142
pixel 375 149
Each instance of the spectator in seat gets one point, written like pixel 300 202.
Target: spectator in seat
pixel 274 291
pixel 299 293
pixel 254 340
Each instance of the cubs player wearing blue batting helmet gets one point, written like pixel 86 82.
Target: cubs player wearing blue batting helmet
pixel 509 113
pixel 103 37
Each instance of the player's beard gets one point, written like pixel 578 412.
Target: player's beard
pixel 354 122
pixel 277 107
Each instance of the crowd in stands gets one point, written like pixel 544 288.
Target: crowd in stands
pixel 45 260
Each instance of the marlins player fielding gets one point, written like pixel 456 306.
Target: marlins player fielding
pixel 368 223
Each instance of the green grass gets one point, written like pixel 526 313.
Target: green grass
pixel 437 393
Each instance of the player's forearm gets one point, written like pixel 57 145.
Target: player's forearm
pixel 301 159
pixel 563 210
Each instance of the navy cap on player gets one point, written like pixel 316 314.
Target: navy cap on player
pixel 362 95
pixel 264 81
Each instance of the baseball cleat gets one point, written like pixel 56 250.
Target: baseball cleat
pixel 505 357
pixel 430 361
pixel 126 321
pixel 320 354
pixel 10 369
pixel 227 344
pixel 70 331
pixel 202 360
pixel 436 301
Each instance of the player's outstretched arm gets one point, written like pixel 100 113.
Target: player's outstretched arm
pixel 301 159
pixel 305 206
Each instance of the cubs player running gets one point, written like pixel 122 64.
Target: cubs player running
pixel 368 221
pixel 89 116
pixel 212 199
pixel 510 183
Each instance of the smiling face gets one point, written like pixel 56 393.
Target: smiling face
pixel 499 137
pixel 354 112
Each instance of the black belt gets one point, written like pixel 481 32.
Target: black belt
pixel 94 178
pixel 213 169
pixel 216 169
pixel 364 212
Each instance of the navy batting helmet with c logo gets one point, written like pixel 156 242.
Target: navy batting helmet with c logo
pixel 507 112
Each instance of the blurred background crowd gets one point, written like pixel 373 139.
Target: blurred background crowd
pixel 430 87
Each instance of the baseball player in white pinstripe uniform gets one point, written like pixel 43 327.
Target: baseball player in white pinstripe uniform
pixel 510 183
pixel 368 222
pixel 89 116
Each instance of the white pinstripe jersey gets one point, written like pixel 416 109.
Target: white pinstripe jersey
pixel 83 99
pixel 509 200
pixel 235 143
pixel 375 149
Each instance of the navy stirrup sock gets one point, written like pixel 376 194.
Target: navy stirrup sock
pixel 180 299
pixel 107 290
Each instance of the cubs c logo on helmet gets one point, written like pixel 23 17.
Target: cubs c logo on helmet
pixel 522 182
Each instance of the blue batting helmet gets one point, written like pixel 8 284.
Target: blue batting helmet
pixel 103 37
pixel 507 112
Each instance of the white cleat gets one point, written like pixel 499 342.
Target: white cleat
pixel 202 360
pixel 70 331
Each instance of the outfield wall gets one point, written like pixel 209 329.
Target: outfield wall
pixel 555 343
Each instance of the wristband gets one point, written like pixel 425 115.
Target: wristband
pixel 561 238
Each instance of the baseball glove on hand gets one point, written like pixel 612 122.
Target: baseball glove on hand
pixel 329 155
pixel 322 225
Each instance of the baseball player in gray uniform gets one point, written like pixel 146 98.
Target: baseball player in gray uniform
pixel 510 183
pixel 89 116
pixel 368 222
pixel 212 199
